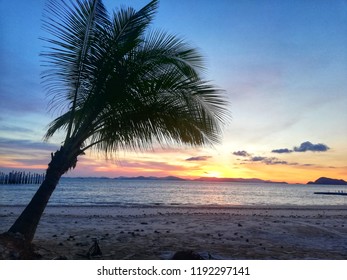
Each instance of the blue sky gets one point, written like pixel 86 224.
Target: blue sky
pixel 282 64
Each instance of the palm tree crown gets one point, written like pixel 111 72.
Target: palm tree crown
pixel 119 86
pixel 122 86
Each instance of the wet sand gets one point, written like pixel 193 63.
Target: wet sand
pixel 140 233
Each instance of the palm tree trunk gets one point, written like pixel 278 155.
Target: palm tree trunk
pixel 28 221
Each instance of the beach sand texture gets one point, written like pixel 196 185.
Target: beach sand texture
pixel 141 233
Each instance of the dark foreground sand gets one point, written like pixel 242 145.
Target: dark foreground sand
pixel 222 233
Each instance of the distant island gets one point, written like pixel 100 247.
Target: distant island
pixel 327 181
pixel 170 178
pixel 167 178
pixel 204 179
pixel 237 180
pixel 174 178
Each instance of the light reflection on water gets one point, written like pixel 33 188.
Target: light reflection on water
pixel 153 192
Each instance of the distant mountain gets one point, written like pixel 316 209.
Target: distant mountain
pixel 173 178
pixel 86 178
pixel 238 180
pixel 327 181
pixel 170 178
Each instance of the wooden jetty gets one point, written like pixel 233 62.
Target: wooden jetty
pixel 332 193
pixel 21 177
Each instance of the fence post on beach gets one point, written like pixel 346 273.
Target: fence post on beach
pixel 2 177
pixel 20 177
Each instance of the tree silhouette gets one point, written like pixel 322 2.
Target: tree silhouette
pixel 119 85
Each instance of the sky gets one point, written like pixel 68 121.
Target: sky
pixel 282 65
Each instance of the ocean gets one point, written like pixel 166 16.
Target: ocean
pixel 111 192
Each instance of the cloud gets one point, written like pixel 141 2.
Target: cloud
pixel 22 144
pixel 257 158
pixel 241 154
pixel 270 160
pixel 304 147
pixel 11 128
pixel 199 158
pixel 275 161
pixel 148 165
pixel 282 151
pixel 262 159
pixel 308 146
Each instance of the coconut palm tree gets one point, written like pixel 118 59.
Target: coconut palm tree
pixel 118 85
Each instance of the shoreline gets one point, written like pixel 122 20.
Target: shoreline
pixel 157 232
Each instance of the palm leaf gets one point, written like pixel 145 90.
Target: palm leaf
pixel 125 88
pixel 74 27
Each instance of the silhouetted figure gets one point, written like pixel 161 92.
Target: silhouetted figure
pixel 187 255
pixel 94 250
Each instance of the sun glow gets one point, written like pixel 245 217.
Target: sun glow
pixel 214 174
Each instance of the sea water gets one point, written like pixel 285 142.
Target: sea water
pixel 118 192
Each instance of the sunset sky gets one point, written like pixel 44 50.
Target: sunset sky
pixel 282 64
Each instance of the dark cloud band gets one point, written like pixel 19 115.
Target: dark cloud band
pixel 200 158
pixel 241 154
pixel 282 151
pixel 304 147
pixel 308 146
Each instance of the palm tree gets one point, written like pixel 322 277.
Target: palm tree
pixel 119 86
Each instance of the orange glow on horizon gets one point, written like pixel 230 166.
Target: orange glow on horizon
pixel 213 174
pixel 164 164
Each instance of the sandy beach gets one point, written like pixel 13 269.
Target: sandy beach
pixel 141 233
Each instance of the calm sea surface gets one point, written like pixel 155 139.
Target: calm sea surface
pixel 153 192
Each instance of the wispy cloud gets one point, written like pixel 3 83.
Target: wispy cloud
pixel 24 154
pixel 23 144
pixel 241 154
pixel 257 158
pixel 282 151
pixel 149 165
pixel 270 160
pixel 11 128
pixel 247 158
pixel 262 159
pixel 198 158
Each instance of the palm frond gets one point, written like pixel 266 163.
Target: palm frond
pixel 126 88
pixel 129 25
pixel 171 50
pixel 119 39
pixel 165 110
pixel 74 28
pixel 60 123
